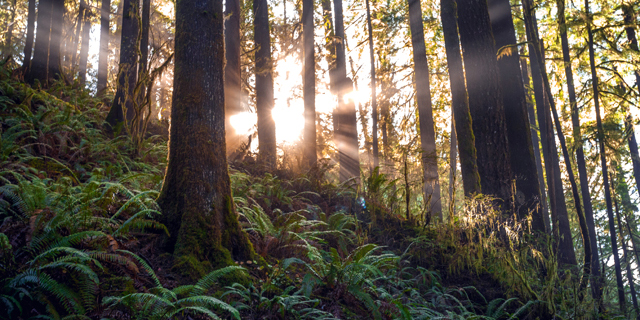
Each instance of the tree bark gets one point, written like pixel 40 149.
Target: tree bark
pixel 628 15
pixel 38 69
pixel 580 160
pixel 9 41
pixel 622 192
pixel 485 102
pixel 232 72
pixel 374 96
pixel 128 69
pixel 76 37
pixel 143 73
pixel 309 135
pixel 264 83
pixel 28 45
pixel 527 195
pixel 57 21
pixel 425 114
pixel 453 154
pixel 560 220
pixel 196 198
pixel 84 48
pixel 603 162
pixel 103 58
pixel 459 100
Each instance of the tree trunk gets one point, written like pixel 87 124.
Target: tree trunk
pixel 128 69
pixel 347 121
pixel 143 73
pixel 57 21
pixel 560 220
pixel 535 142
pixel 580 160
pixel 232 72
pixel 309 135
pixel 28 45
pixel 196 199
pixel 459 101
pixel 264 83
pixel 425 114
pixel 485 102
pixel 103 59
pixel 527 195
pixel 453 154
pixel 84 48
pixel 603 162
pixel 622 192
pixel 9 41
pixel 76 37
pixel 628 15
pixel 374 96
pixel 38 69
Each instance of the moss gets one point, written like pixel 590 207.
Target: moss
pixel 189 267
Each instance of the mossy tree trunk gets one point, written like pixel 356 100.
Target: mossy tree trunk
pixel 527 195
pixel 232 72
pixel 128 68
pixel 38 68
pixel 459 100
pixel 309 84
pixel 264 83
pixel 84 48
pixel 196 200
pixel 103 58
pixel 144 47
pixel 485 102
pixel 425 114
pixel 31 26
pixel 76 38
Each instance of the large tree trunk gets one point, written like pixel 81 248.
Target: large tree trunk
pixel 459 100
pixel 196 201
pixel 485 102
pixel 103 59
pixel 374 96
pixel 143 73
pixel 329 36
pixel 559 214
pixel 128 69
pixel 57 22
pixel 9 41
pixel 515 112
pixel 84 48
pixel 580 160
pixel 38 69
pixel 309 136
pixel 347 121
pixel 264 83
pixel 28 45
pixel 76 37
pixel 232 72
pixel 603 162
pixel 535 142
pixel 425 114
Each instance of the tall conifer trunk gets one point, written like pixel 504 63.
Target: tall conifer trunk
pixel 459 100
pixel 196 199
pixel 425 114
pixel 628 15
pixel 232 72
pixel 28 45
pixel 620 193
pixel 38 68
pixel 76 37
pixel 9 40
pixel 84 48
pixel 374 96
pixel 264 83
pixel 144 47
pixel 57 22
pixel 103 58
pixel 309 135
pixel 485 101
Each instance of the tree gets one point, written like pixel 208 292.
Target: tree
pixel 9 37
pixel 57 21
pixel 128 67
pixel 103 58
pixel 144 46
pixel 28 45
pixel 309 135
pixel 485 101
pixel 374 98
pixel 76 36
pixel 622 193
pixel 84 48
pixel 425 114
pixel 196 198
pixel 38 69
pixel 264 83
pixel 515 113
pixel 232 71
pixel 628 15
pixel 459 100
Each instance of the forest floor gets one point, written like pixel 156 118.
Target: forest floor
pixel 79 239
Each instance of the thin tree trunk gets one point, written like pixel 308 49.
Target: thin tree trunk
pixel 560 220
pixel 143 73
pixel 12 22
pixel 527 196
pixel 626 260
pixel 374 98
pixel 103 59
pixel 603 161
pixel 76 36
pixel 485 102
pixel 459 100
pixel 128 69
pixel 309 84
pixel 329 36
pixel 535 142
pixel 232 72
pixel 38 69
pixel 28 45
pixel 453 154
pixel 84 48
pixel 425 114
pixel 628 15
pixel 264 83
pixel 196 199
pixel 57 21
pixel 580 160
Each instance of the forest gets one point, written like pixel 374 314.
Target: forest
pixel 319 159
